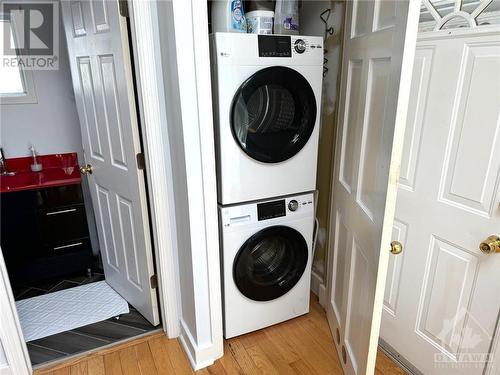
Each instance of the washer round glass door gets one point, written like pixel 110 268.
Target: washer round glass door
pixel 273 114
pixel 270 263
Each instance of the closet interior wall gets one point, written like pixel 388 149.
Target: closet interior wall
pixel 325 19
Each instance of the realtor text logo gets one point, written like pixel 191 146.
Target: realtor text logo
pixel 30 34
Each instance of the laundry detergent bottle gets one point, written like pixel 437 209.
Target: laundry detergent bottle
pixel 286 17
pixel 228 16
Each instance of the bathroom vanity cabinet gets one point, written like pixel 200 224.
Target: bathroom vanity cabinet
pixel 44 233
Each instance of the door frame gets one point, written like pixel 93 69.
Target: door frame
pixel 190 107
pixel 189 60
pixel 11 336
pixel 150 89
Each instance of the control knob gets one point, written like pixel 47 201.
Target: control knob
pixel 300 46
pixel 293 205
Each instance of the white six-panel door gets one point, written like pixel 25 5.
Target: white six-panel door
pixel 379 45
pixel 442 297
pixel 100 63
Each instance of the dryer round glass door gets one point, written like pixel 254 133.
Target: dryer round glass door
pixel 273 114
pixel 270 263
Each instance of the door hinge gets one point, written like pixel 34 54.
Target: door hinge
pixel 123 5
pixel 141 163
pixel 153 280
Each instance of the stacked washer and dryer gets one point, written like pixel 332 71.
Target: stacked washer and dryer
pixel 267 96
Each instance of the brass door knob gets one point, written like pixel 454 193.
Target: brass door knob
pixel 87 169
pixel 490 245
pixel 396 247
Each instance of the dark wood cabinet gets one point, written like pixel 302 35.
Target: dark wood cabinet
pixel 71 224
pixel 44 233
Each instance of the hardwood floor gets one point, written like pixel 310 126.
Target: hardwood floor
pixel 300 346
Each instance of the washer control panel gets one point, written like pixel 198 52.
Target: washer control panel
pixel 278 210
pixel 270 210
pixel 281 207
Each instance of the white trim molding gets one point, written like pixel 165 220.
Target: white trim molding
pixel 11 336
pixel 186 62
pixel 459 33
pixel 29 97
pixel 318 287
pixel 145 34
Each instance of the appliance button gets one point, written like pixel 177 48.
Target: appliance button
pixel 293 205
pixel 300 46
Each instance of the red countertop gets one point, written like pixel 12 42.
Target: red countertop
pixel 58 170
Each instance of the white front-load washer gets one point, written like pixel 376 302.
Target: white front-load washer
pixel 266 262
pixel 267 96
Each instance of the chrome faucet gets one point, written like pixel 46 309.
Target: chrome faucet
pixel 3 167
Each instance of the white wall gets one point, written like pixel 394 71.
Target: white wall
pixel 51 124
pixel 311 24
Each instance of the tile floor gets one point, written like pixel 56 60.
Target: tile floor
pixel 85 338
pixel 54 285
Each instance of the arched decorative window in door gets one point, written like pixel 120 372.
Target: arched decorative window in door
pixel 443 14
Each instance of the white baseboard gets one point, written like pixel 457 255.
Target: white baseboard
pixel 198 357
pixel 318 287
pixel 188 343
pixel 322 295
pixel 316 281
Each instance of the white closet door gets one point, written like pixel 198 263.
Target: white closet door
pixel 379 46
pixel 102 79
pixel 442 298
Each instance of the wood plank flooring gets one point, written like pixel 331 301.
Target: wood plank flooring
pixel 299 346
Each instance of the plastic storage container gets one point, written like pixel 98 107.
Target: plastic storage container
pixel 286 17
pixel 228 16
pixel 259 5
pixel 260 22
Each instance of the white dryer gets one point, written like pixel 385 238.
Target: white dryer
pixel 267 96
pixel 266 262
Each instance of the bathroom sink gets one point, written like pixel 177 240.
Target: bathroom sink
pixel 58 170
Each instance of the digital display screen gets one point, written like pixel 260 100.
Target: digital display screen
pixel 275 46
pixel 270 210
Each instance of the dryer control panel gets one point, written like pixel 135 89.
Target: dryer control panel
pixel 242 49
pixel 285 45
pixel 274 46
